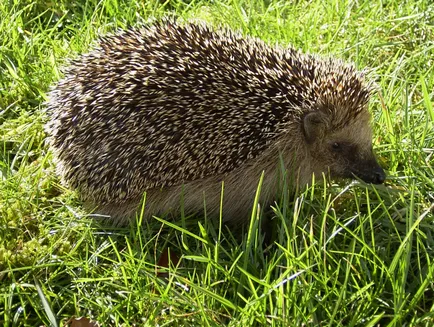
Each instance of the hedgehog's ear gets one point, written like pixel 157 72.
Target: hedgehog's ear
pixel 314 125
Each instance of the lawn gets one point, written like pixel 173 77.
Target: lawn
pixel 343 253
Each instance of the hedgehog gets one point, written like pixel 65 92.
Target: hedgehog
pixel 184 112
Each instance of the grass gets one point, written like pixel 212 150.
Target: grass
pixel 343 255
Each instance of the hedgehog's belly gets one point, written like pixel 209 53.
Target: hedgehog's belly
pixel 201 197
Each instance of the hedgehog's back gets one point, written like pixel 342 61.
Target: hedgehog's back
pixel 164 105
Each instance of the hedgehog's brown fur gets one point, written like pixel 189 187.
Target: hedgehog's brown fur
pixel 178 108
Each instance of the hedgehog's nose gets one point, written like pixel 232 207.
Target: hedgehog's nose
pixel 379 176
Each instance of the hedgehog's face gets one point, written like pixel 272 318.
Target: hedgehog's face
pixel 346 152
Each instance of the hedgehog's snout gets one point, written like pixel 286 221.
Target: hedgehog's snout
pixel 374 175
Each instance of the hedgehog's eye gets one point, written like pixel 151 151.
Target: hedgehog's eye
pixel 336 146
